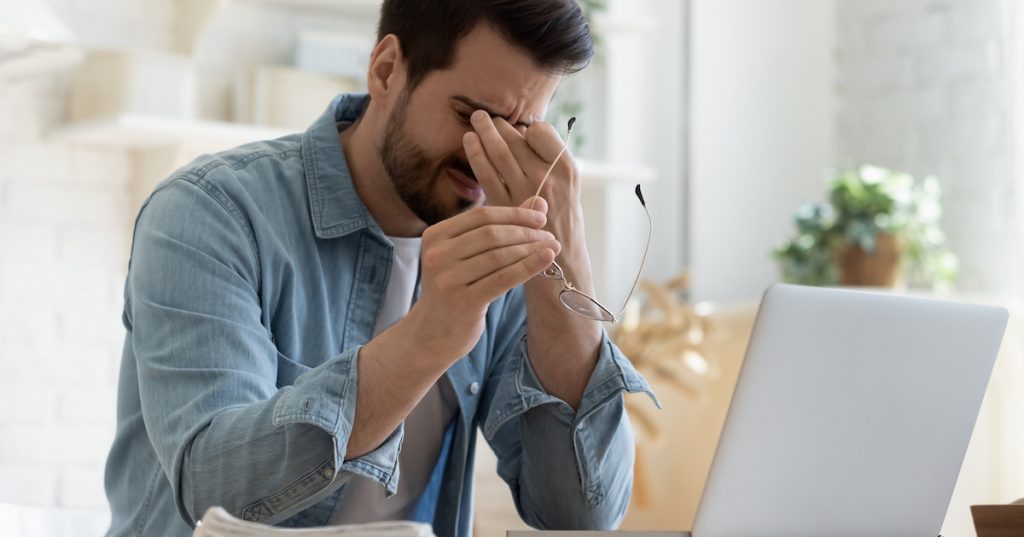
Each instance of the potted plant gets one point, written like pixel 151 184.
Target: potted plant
pixel 878 228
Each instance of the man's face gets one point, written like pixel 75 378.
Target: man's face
pixel 422 147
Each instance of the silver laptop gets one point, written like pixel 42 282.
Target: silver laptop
pixel 851 415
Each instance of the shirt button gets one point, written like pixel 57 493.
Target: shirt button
pixel 474 388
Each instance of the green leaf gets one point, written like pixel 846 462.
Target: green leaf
pixel 862 204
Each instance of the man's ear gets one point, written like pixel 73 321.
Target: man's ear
pixel 386 77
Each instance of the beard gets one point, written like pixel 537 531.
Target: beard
pixel 413 174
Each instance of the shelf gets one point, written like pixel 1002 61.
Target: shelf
pixel 602 174
pixel 131 131
pixel 38 59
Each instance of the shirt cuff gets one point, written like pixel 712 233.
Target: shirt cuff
pixel 325 397
pixel 520 390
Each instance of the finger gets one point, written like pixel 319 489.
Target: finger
pixel 485 238
pixel 514 139
pixel 529 161
pixel 536 203
pixel 500 282
pixel 544 140
pixel 492 261
pixel 482 216
pixel 494 186
pixel 497 150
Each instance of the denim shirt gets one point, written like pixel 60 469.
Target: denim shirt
pixel 255 278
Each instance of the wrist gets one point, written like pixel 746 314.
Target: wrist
pixel 575 263
pixel 574 258
pixel 410 339
pixel 433 338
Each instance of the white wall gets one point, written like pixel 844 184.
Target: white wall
pixel 640 113
pixel 762 113
pixel 669 150
pixel 924 90
pixel 64 235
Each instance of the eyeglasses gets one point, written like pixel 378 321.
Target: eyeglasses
pixel 576 300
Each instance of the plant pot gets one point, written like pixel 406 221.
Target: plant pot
pixel 880 268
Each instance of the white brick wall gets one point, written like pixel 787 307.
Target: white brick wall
pixel 29 484
pixel 64 235
pixel 923 89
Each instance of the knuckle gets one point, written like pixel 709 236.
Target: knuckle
pixel 573 168
pixel 506 278
pixel 491 233
pixel 538 130
pixel 431 257
pixel 503 256
pixel 484 215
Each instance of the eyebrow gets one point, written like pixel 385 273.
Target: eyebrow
pixel 490 111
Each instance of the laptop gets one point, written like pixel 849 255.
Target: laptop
pixel 851 415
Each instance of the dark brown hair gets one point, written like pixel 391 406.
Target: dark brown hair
pixel 553 32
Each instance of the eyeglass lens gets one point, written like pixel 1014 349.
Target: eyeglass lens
pixel 584 305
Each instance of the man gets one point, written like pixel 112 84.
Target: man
pixel 309 317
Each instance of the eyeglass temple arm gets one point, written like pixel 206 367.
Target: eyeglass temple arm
pixel 647 247
pixel 568 134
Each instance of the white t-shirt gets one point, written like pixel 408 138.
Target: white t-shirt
pixel 364 499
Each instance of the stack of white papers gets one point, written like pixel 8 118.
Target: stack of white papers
pixel 219 523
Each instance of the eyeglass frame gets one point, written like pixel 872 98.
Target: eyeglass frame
pixel 559 273
pixel 569 288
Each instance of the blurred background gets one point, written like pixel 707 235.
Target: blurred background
pixel 827 142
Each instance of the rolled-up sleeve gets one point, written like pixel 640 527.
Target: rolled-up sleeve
pixel 566 469
pixel 223 430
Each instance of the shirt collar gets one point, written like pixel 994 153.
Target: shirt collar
pixel 334 205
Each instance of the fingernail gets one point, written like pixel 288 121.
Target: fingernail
pixel 479 115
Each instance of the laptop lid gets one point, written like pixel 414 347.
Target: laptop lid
pixel 851 415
